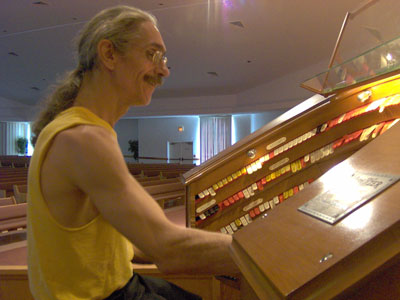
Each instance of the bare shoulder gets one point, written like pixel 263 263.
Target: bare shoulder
pixel 83 135
pixel 84 146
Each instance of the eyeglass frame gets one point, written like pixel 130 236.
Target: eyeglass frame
pixel 157 57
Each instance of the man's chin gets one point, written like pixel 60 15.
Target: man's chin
pixel 144 101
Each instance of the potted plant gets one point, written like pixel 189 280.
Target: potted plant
pixel 22 145
pixel 134 148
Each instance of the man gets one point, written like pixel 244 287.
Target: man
pixel 84 206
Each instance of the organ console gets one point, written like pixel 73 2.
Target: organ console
pixel 256 190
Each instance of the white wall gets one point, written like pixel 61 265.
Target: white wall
pixel 126 129
pixel 219 104
pixel 155 133
pixel 241 127
pixel 260 119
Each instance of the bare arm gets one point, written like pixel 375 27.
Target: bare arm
pixel 95 165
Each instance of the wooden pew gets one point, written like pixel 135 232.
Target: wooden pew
pixel 14 161
pixel 8 186
pixel 14 271
pixel 159 181
pixel 162 170
pixel 171 192
pixel 11 176
pixel 7 201
pixel 13 217
pixel 20 192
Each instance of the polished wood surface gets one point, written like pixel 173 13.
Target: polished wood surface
pixel 305 117
pixel 280 254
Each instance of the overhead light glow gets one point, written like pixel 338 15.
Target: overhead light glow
pixel 227 3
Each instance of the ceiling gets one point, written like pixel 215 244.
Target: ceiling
pixel 243 43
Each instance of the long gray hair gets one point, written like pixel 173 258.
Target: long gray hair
pixel 120 25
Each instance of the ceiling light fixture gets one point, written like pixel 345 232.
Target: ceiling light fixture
pixel 13 53
pixel 40 3
pixel 213 74
pixel 237 23
pixel 35 88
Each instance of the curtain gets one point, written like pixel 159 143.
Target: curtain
pixel 9 132
pixel 215 135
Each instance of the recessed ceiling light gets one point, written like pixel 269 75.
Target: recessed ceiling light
pixel 12 53
pixel 160 4
pixel 4 30
pixel 213 74
pixel 249 61
pixel 40 3
pixel 35 88
pixel 237 23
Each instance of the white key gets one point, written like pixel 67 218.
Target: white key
pixel 250 190
pixel 229 229
pixel 233 226
pixel 212 192
pixel 271 204
pixel 249 170
pixel 248 218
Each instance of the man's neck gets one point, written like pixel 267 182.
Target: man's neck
pixel 97 95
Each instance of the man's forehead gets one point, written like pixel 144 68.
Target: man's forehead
pixel 152 37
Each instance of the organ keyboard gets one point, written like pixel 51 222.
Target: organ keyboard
pixel 253 189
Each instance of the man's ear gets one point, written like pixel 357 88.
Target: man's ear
pixel 107 54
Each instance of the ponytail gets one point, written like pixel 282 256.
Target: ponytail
pixel 62 99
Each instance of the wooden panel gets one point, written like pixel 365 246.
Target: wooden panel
pixel 280 254
pixel 305 118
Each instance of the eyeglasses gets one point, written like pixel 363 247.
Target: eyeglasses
pixel 157 57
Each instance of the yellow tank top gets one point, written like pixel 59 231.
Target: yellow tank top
pixel 85 263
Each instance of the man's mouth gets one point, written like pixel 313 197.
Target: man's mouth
pixel 153 80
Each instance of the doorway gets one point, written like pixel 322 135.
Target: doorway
pixel 180 152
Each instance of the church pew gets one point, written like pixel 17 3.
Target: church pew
pixel 167 192
pixel 14 272
pixel 159 181
pixel 7 201
pixel 20 192
pixel 13 217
